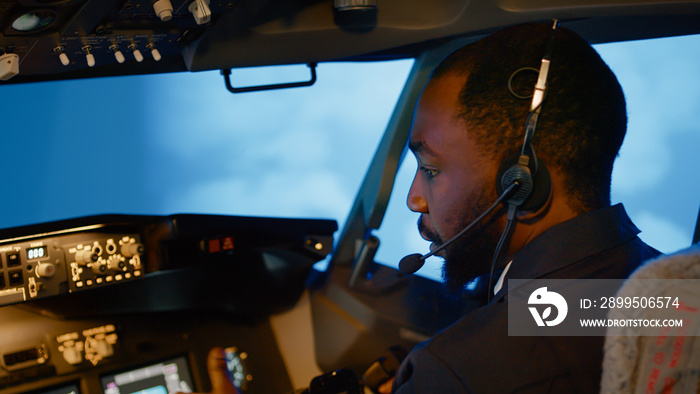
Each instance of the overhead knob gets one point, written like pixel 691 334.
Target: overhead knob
pixel 163 9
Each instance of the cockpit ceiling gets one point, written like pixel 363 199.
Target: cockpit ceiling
pixel 63 39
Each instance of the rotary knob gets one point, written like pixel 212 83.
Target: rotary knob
pixel 46 270
pixel 72 355
pixel 99 267
pixel 85 256
pixel 132 249
pixel 116 263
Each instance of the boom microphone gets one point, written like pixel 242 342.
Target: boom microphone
pixel 413 262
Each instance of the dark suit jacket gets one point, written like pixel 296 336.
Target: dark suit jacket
pixel 475 354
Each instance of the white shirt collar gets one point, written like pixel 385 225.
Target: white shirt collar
pixel 499 284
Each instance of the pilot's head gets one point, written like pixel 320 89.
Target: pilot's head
pixel 471 117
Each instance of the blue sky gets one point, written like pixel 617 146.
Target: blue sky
pixel 175 143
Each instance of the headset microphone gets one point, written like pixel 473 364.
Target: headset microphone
pixel 413 262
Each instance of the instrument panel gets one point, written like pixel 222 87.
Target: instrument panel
pixel 124 303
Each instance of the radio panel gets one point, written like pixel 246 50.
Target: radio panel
pixel 46 266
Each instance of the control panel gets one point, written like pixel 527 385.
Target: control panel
pixel 46 266
pixel 50 37
pixel 103 300
pixel 146 353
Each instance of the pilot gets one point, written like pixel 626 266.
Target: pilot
pixel 481 133
pixel 476 123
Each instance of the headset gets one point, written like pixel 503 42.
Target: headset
pixel 524 170
pixel 524 167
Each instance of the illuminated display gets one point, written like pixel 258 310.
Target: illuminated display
pixel 170 376
pixel 36 253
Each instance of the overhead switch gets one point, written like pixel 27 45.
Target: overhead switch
pixel 89 56
pixel 200 10
pixel 61 55
pixel 117 53
pixel 154 52
pixel 9 66
pixel 137 54
pixel 64 59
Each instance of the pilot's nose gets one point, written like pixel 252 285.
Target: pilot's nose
pixel 415 201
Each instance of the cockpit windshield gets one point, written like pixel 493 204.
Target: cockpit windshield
pixel 172 143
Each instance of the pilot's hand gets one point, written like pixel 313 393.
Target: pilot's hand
pixel 385 388
pixel 216 365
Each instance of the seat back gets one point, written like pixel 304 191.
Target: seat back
pixel 640 358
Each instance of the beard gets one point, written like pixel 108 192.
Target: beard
pixel 470 255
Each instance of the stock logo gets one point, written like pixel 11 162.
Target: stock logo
pixel 543 297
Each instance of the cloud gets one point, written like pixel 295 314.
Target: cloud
pixel 317 194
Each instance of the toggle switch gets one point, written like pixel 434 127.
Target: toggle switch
pixel 117 53
pixel 61 55
pixel 89 56
pixel 137 54
pixel 154 52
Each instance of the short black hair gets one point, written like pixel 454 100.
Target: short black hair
pixel 583 118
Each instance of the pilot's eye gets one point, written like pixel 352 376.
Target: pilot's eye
pixel 431 173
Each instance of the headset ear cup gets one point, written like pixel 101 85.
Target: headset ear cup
pixel 535 189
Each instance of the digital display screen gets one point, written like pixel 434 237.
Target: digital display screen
pixel 165 377
pixel 36 253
